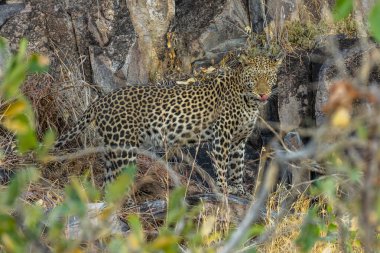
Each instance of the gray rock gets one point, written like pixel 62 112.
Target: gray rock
pixel 352 55
pixel 295 96
pixel 4 56
pixel 281 10
pixel 205 33
pixel 257 15
pixel 76 227
pixel 9 10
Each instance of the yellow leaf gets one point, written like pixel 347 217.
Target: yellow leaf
pixel 188 81
pixel 208 225
pixel 213 238
pixel 106 213
pixel 40 202
pixel 43 60
pixel 76 250
pixel 133 242
pixel 16 125
pixel 341 117
pixel 164 241
pixel 208 70
pixel 15 108
pixel 8 242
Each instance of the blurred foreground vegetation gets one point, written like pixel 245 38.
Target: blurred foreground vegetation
pixel 339 213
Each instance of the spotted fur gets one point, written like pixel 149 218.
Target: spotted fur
pixel 222 109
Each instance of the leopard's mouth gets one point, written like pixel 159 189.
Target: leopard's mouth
pixel 262 98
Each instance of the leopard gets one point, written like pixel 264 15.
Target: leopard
pixel 221 110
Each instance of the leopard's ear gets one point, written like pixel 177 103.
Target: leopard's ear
pixel 243 59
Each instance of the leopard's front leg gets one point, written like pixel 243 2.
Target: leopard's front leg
pixel 221 145
pixel 236 169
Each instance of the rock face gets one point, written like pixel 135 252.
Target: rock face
pixel 111 48
pixel 295 97
pixel 90 35
pixel 9 10
pixel 151 20
pixel 352 54
pixel 206 31
pixel 111 43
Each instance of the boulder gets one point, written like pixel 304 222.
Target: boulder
pixel 205 33
pixel 9 10
pixel 295 93
pixel 352 54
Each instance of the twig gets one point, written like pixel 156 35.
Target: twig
pixel 94 150
pixel 260 174
pixel 252 213
pixel 200 171
pixel 275 133
pixel 272 229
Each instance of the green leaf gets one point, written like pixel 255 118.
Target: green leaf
pixel 342 9
pixel 38 63
pixel 21 54
pixel 362 130
pixel 27 141
pixel 328 187
pixel 47 142
pixel 118 245
pixel 374 21
pixel 92 192
pixel 355 175
pixel 17 185
pixel 15 73
pixel 55 222
pixel 7 223
pixel 33 215
pixel 176 205
pixel 136 227
pixel 118 189
pixel 13 78
pixel 76 198
pixel 11 239
pixel 3 43
pixel 49 138
pixel 332 228
pixel 310 231
pixel 256 230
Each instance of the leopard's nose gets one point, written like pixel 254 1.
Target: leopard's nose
pixel 263 97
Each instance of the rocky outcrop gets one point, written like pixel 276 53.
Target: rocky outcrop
pixel 111 43
pixel 295 96
pixel 9 10
pixel 206 32
pixel 353 54
pixel 151 20
pixel 110 48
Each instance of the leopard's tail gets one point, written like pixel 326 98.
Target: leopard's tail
pixel 87 117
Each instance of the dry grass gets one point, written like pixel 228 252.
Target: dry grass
pixel 153 183
pixel 57 103
pixel 306 30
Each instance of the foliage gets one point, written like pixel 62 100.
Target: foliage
pixel 348 190
pixel 27 227
pixel 342 9
pixel 374 21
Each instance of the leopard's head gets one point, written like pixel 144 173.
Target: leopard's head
pixel 258 76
